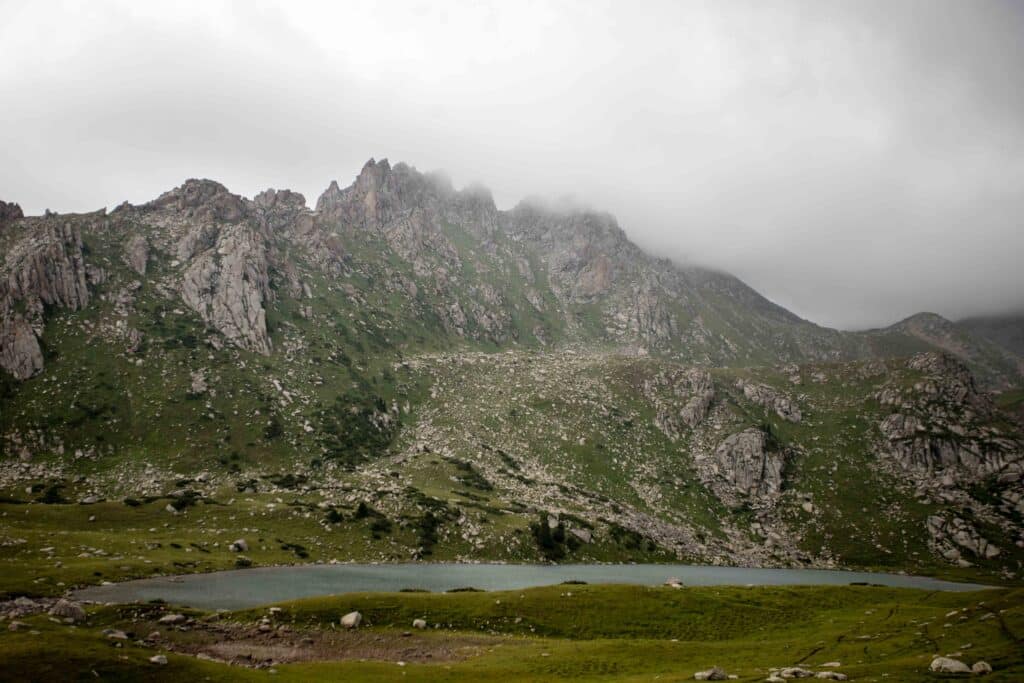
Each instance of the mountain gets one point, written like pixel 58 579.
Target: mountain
pixel 997 365
pixel 1005 331
pixel 407 371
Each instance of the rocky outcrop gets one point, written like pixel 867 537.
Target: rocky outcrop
pixel 46 268
pixel 745 466
pixel 680 398
pixel 202 200
pixel 9 212
pixel 227 285
pixel 380 195
pixel 136 254
pixel 950 537
pixel 939 428
pixel 278 211
pixel 696 409
pixel 20 354
pixel 770 399
pixel 649 318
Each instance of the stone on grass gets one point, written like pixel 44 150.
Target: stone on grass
pixel 66 609
pixel 948 665
pixel 981 667
pixel 796 672
pixel 715 673
pixel 172 619
pixel 352 620
pixel 158 659
pixel 419 623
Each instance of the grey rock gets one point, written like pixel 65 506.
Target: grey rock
pixel 227 284
pixel 948 665
pixel 20 353
pixel 67 609
pixel 770 399
pixel 747 465
pixel 46 268
pixel 136 254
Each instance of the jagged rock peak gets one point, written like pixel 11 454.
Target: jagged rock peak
pixel 284 199
pixel 203 199
pixel 10 212
pixel 382 193
pixel 373 174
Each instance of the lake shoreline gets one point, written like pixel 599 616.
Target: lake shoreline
pixel 254 586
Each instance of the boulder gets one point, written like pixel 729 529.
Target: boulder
pixel 948 665
pixel 584 535
pixel 981 668
pixel 66 609
pixel 352 620
pixel 419 623
pixel 715 673
pixel 172 619
pixel 158 659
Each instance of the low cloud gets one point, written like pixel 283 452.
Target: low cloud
pixel 855 162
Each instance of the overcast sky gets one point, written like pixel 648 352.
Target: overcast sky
pixel 855 161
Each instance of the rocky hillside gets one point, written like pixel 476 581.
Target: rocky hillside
pixel 991 355
pixel 510 384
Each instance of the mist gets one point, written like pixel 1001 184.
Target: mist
pixel 856 162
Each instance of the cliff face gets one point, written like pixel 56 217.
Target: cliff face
pixel 45 268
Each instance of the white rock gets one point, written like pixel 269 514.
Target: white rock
pixel 981 667
pixel 948 665
pixel 172 619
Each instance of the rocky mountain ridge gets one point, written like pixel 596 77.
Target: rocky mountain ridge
pixel 531 275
